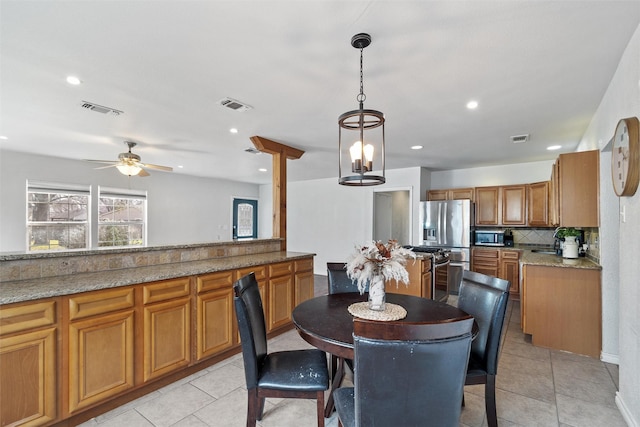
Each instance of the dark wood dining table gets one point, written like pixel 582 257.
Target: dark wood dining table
pixel 326 323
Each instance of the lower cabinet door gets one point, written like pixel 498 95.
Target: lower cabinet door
pixel 101 360
pixel 214 322
pixel 28 378
pixel 167 337
pixel 304 286
pixel 280 302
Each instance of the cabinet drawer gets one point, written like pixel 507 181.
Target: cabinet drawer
pixel 280 269
pixel 304 265
pixel 510 255
pixel 27 316
pixel 259 271
pixel 486 262
pixel 222 279
pixel 99 302
pixel 168 289
pixel 486 253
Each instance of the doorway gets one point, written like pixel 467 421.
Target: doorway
pixel 392 216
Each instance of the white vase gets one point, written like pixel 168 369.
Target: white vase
pixel 570 248
pixel 376 293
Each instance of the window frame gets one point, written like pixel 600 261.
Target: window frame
pixel 45 187
pixel 123 194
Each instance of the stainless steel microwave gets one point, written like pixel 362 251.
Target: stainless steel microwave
pixel 489 237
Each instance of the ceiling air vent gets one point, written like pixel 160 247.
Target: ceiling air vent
pixel 234 104
pixel 252 150
pixel 100 108
pixel 519 139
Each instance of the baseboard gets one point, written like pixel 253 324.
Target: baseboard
pixel 610 358
pixel 628 417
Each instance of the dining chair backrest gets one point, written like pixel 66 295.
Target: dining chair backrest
pixel 251 325
pixel 410 374
pixel 338 280
pixel 485 298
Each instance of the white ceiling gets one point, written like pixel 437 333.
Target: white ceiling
pixel 535 67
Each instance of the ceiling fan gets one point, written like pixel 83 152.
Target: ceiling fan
pixel 129 163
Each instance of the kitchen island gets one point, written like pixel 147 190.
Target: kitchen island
pixel 561 304
pixel 82 332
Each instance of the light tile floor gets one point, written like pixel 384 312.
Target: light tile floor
pixel 535 387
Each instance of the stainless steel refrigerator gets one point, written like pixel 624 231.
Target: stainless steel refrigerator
pixel 449 225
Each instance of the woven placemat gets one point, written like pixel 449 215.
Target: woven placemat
pixel 390 312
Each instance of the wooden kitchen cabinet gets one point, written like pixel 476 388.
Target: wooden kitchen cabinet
pixel 486 261
pixel 28 357
pixel 101 345
pixel 510 270
pixel 578 189
pixel 167 327
pixel 280 288
pixel 215 320
pixel 487 205
pixel 419 285
pixel 303 279
pixel 538 198
pixel 554 195
pixel 451 194
pixel 513 204
pixel 561 308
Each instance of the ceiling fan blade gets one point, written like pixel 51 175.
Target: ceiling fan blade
pixel 143 173
pixel 158 167
pixel 109 166
pixel 106 162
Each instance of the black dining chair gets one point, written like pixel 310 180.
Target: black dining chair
pixel 485 298
pixel 406 374
pixel 288 374
pixel 338 281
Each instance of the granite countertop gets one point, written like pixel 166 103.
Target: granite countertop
pixel 28 290
pixel 528 257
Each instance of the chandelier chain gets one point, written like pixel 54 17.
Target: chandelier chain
pixel 361 96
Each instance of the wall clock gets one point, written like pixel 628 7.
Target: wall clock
pixel 625 157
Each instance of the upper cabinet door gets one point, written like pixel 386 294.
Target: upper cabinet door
pixel 487 202
pixel 538 198
pixel 513 205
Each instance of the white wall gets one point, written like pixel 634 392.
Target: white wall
pixel 182 209
pixel 519 173
pixel 329 219
pixel 621 290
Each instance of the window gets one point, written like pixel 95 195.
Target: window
pixel 122 218
pixel 245 219
pixel 57 216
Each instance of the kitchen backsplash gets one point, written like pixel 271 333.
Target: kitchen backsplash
pixel 544 237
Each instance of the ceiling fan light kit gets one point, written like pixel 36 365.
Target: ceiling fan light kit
pixel 129 163
pixel 361 147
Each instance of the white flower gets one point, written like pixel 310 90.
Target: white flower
pixel 377 259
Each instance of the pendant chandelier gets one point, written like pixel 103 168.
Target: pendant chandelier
pixel 364 145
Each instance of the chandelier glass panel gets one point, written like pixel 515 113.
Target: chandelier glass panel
pixel 361 137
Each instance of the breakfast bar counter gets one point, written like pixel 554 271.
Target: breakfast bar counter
pixel 33 289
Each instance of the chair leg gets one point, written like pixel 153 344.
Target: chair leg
pixel 260 408
pixel 320 408
pixel 335 383
pixel 490 401
pixel 252 407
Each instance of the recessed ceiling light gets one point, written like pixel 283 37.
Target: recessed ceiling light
pixel 233 130
pixel 73 80
pixel 417 147
pixel 262 170
pixel 554 147
pixel 3 137
pixel 180 166
pixel 472 105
